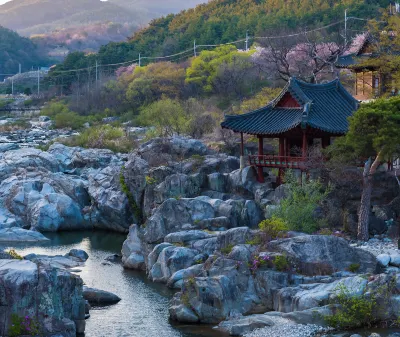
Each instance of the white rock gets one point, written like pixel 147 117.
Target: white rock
pixel 383 259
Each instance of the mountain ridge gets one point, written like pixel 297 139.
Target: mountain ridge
pixel 29 17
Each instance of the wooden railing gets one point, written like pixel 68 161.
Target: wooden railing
pixel 277 161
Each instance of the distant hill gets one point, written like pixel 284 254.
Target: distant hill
pixel 43 16
pixel 15 50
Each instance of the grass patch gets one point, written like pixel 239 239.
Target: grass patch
pixel 102 137
pixel 227 250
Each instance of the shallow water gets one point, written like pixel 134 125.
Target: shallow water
pixel 143 310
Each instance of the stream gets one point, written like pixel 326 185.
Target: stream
pixel 143 310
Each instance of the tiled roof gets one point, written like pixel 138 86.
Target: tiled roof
pixel 352 60
pixel 322 106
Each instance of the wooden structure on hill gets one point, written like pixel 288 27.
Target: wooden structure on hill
pixel 301 113
pixel 369 83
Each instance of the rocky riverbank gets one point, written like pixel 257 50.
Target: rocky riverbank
pixel 195 219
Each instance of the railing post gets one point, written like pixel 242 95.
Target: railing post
pixel 260 171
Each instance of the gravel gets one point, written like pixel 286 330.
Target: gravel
pixel 378 247
pixel 288 330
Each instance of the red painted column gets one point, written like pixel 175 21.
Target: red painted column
pixel 260 153
pixel 305 145
pixel 282 154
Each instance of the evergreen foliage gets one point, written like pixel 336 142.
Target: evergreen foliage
pixel 15 50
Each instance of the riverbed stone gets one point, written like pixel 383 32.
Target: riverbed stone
pixel 79 254
pixel 99 297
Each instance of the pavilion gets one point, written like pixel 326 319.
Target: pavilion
pixel 301 113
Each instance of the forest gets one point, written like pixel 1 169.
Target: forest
pixel 222 21
pixel 15 50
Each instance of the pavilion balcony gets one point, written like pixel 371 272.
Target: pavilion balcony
pixel 273 161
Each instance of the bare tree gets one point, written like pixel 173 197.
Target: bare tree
pixel 305 56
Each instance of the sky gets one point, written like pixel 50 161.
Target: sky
pixel 2 2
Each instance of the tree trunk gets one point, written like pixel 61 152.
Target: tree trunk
pixel 365 207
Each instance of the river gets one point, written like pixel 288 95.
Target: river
pixel 143 310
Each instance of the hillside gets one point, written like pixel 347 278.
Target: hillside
pixel 15 49
pixel 222 21
pixel 43 16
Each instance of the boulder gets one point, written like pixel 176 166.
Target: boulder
pixel 177 186
pixel 112 208
pixel 4 147
pixel 159 151
pixel 132 251
pixel 316 252
pixel 377 225
pixel 174 216
pixel 20 235
pixel 383 259
pixel 99 297
pixel 44 200
pixel 187 236
pixel 76 159
pixel 170 260
pixel 135 172
pixel 79 254
pixel 244 325
pixel 39 291
pixel 307 296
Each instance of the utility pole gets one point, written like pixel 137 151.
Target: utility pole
pixel 194 48
pixel 38 81
pixel 139 60
pixel 345 28
pixel 97 76
pixel 247 40
pixel 12 86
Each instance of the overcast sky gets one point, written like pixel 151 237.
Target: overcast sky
pixel 3 1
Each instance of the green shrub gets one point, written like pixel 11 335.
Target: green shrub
pixel 325 231
pixel 28 102
pixel 63 117
pixel 20 124
pixel 23 326
pixel 281 263
pixel 68 119
pixel 257 240
pixel 354 267
pixel 273 227
pixel 15 255
pixel 227 250
pixel 102 137
pixel 297 209
pixel 354 310
pixel 167 116
pixel 150 180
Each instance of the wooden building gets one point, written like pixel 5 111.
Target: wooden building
pixel 368 83
pixel 301 113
